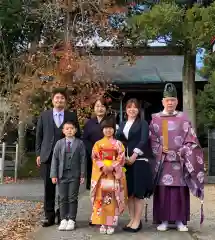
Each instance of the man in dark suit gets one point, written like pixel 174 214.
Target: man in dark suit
pixel 48 132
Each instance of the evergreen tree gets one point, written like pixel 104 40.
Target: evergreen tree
pixel 206 97
pixel 181 24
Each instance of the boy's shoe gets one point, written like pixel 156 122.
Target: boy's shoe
pixel 70 225
pixel 110 230
pixel 63 225
pixel 103 229
pixel 163 226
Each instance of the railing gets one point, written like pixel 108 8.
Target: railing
pixel 8 160
pixel 211 152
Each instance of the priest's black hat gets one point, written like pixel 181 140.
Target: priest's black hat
pixel 170 91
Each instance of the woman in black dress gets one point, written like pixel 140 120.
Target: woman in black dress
pixel 92 133
pixel 134 133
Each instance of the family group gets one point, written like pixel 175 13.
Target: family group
pixel 122 165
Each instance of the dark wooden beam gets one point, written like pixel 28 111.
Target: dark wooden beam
pixel 137 51
pixel 141 87
pixel 151 87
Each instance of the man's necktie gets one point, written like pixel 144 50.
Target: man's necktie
pixel 69 145
pixel 58 119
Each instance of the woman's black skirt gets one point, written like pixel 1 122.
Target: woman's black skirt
pixel 140 179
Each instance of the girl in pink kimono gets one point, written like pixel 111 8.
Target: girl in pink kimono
pixel 108 184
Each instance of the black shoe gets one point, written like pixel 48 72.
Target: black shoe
pixel 47 222
pixel 125 228
pixel 57 217
pixel 91 224
pixel 134 230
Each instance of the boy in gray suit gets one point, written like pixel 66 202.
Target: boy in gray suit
pixel 68 171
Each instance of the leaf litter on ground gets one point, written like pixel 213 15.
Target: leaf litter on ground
pixel 22 220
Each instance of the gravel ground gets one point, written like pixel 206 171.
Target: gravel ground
pixel 18 200
pixel 10 209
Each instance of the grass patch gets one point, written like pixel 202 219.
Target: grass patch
pixel 29 169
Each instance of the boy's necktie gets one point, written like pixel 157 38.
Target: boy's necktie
pixel 69 145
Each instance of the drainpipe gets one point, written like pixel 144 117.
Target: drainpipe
pixel 121 111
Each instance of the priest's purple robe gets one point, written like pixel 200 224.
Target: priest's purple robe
pixel 176 147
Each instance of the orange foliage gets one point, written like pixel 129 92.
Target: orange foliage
pixel 63 67
pixel 78 74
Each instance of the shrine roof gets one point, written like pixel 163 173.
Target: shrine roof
pixel 148 69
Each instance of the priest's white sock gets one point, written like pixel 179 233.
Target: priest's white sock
pixel 163 226
pixel 181 227
pixel 179 224
pixel 164 223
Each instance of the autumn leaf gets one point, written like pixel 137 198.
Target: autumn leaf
pixel 19 227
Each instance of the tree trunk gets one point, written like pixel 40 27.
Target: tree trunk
pixel 23 113
pixel 21 140
pixel 189 91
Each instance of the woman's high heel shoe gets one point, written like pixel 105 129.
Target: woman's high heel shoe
pixel 125 227
pixel 134 230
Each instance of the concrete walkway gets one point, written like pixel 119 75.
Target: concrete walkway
pixel 206 232
pixel 84 232
pixel 29 190
pixel 32 190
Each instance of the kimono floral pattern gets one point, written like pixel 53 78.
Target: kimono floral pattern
pixel 107 198
pixel 183 163
pixel 108 205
